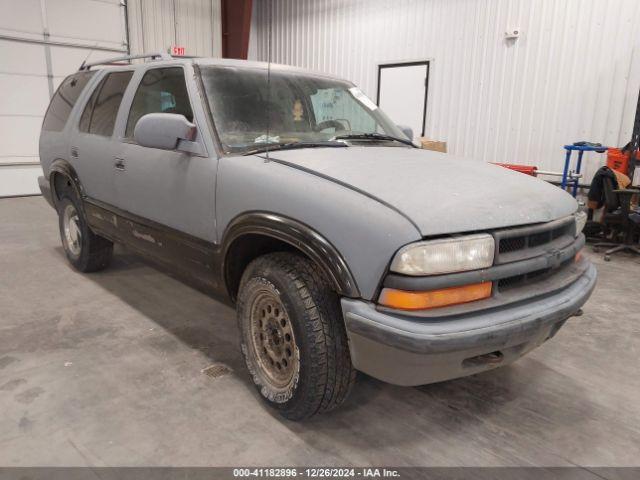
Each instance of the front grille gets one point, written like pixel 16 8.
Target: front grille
pixel 526 242
pixel 538 239
pixel 512 244
pixel 530 277
pixel 505 283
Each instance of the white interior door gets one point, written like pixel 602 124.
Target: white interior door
pixel 402 93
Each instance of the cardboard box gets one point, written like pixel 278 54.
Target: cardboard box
pixel 434 145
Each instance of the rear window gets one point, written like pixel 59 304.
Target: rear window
pixel 99 115
pixel 63 101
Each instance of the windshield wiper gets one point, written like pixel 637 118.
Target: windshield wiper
pixel 292 145
pixel 373 136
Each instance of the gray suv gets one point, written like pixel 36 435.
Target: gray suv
pixel 292 196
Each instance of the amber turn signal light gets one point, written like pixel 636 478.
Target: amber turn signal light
pixel 405 300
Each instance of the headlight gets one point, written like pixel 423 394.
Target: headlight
pixel 445 255
pixel 581 221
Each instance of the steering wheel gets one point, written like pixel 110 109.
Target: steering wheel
pixel 330 124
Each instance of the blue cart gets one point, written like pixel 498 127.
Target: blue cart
pixel 572 177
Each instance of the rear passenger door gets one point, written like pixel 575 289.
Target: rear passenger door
pixel 93 147
pixel 173 188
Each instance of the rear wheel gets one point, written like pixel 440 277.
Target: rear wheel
pixel 292 336
pixel 85 250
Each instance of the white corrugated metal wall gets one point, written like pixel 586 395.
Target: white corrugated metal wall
pixel 154 25
pixel 574 74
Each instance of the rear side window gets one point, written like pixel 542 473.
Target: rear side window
pixel 63 101
pixel 161 90
pixel 99 115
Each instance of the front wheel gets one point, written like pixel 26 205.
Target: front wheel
pixel 293 337
pixel 85 250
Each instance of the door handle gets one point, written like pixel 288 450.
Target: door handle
pixel 119 164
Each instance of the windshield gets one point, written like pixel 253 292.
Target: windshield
pixel 296 108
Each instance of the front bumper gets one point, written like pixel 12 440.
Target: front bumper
pixel 406 350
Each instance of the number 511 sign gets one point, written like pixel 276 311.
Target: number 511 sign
pixel 177 51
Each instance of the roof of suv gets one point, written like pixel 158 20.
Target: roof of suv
pixel 225 62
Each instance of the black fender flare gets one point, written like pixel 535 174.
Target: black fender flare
pixel 64 168
pixel 298 235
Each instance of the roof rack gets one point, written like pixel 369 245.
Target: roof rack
pixel 112 61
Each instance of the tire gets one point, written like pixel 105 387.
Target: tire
pixel 85 250
pixel 292 336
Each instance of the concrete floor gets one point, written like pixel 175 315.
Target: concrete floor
pixel 105 370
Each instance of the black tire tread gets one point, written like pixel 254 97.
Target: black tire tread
pixel 332 373
pixel 100 254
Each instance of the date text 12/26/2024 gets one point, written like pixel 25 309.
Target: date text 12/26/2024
pixel 316 472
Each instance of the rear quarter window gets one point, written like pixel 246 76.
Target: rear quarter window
pixel 63 101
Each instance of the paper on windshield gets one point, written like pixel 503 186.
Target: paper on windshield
pixel 362 98
pixel 267 139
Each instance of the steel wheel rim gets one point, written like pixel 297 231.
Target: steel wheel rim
pixel 273 340
pixel 71 230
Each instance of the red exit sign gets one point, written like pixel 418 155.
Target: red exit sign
pixel 177 50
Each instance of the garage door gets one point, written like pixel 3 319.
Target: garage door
pixel 41 42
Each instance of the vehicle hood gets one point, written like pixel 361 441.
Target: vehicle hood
pixel 439 193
